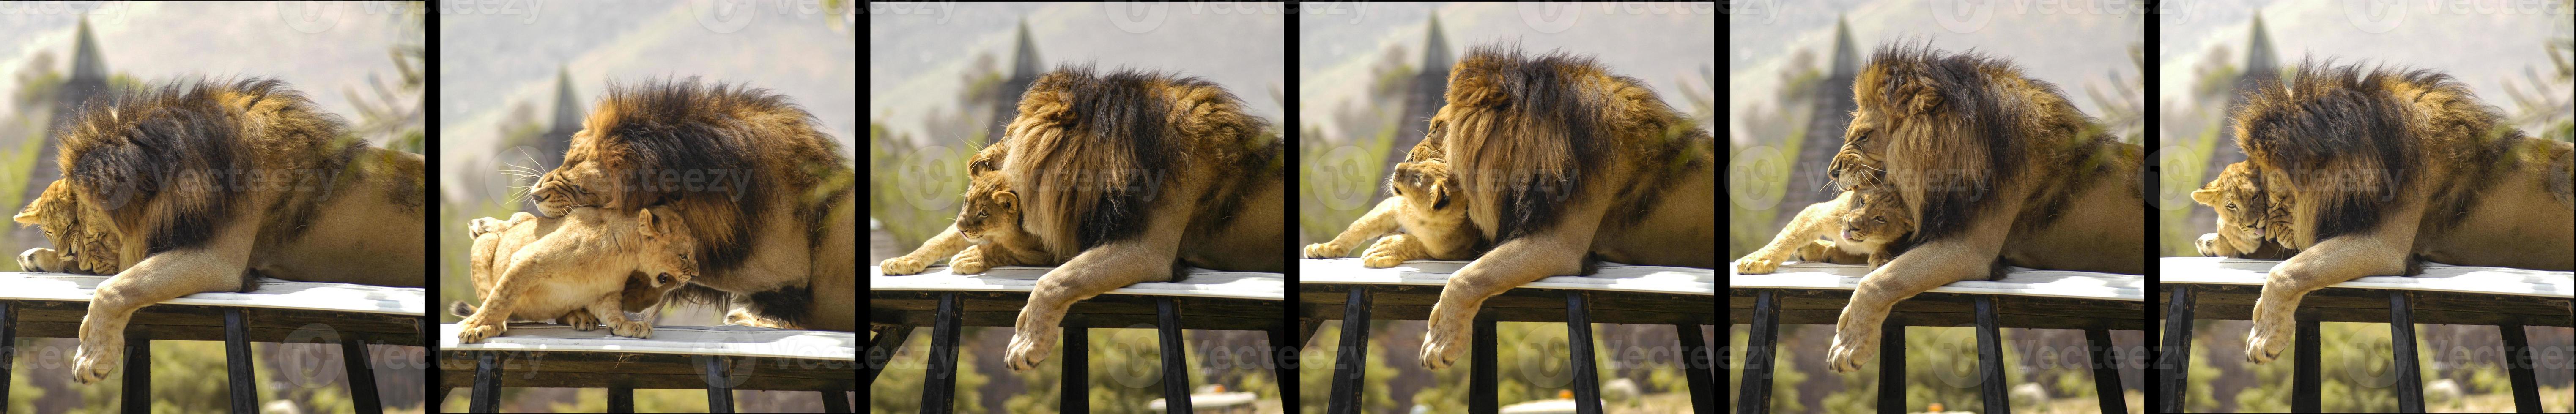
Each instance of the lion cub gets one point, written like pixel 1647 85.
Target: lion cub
pixel 1426 206
pixel 2250 221
pixel 987 234
pixel 581 262
pixel 1870 218
pixel 640 294
pixel 88 245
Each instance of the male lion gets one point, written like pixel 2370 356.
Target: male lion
pixel 1129 175
pixel 1425 206
pixel 1996 169
pixel 766 194
pixel 1560 162
pixel 204 186
pixel 544 267
pixel 2385 167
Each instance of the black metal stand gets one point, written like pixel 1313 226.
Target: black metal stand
pixel 836 401
pixel 1351 363
pixel 1891 366
pixel 1283 354
pixel 1482 377
pixel 1176 362
pixel 1695 361
pixel 1756 388
pixel 237 361
pixel 719 390
pixel 2401 338
pixel 881 350
pixel 2106 372
pixel 621 400
pixel 2305 382
pixel 1578 332
pixel 137 395
pixel 1990 359
pixel 2517 365
pixel 362 376
pixel 940 393
pixel 2175 356
pixel 8 347
pixel 487 383
pixel 1073 395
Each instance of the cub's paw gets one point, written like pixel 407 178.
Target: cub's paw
pixel 580 320
pixel 29 260
pixel 903 265
pixel 1325 250
pixel 477 332
pixel 1031 345
pixel 1388 252
pixel 969 261
pixel 630 329
pixel 2208 243
pixel 1756 265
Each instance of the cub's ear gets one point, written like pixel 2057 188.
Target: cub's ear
pixel 1006 199
pixel 2205 196
pixel 653 225
pixel 27 217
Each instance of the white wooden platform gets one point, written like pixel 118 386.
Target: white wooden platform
pixel 2436 277
pixel 726 340
pixel 1609 277
pixel 1022 279
pixel 272 293
pixel 2017 281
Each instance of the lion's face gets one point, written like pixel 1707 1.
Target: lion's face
pixel 1424 185
pixel 584 180
pixel 2244 210
pixel 668 247
pixel 991 209
pixel 83 236
pixel 1878 218
pixel 1861 163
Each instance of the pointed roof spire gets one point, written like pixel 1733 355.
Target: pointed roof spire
pixel 1435 48
pixel 1846 57
pixel 86 61
pixel 1024 57
pixel 2258 50
pixel 568 112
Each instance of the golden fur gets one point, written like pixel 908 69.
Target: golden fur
pixel 1131 175
pixel 1884 219
pixel 2248 219
pixel 553 267
pixel 641 293
pixel 1561 163
pixel 774 214
pixel 987 234
pixel 1994 169
pixel 202 186
pixel 1425 207
pixel 2383 168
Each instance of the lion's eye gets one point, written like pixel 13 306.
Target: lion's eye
pixel 2231 206
pixel 1878 220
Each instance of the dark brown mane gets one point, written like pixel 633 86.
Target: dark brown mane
pixel 182 148
pixel 658 134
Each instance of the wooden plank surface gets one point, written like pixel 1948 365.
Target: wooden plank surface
pixel 551 369
pixel 59 319
pixel 1825 306
pixel 1521 304
pixel 2019 281
pixel 1117 309
pixel 272 293
pixel 1022 279
pixel 2370 305
pixel 1608 277
pixel 729 340
pixel 2436 277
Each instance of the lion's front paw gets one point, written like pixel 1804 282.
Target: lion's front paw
pixel 969 261
pixel 1325 250
pixel 477 332
pixel 903 265
pixel 1446 337
pixel 97 358
pixel 630 329
pixel 2208 243
pixel 27 260
pixel 1030 345
pixel 2264 343
pixel 1854 339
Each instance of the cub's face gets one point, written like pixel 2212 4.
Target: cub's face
pixel 83 236
pixel 1860 162
pixel 2244 211
pixel 1878 219
pixel 667 248
pixel 992 209
pixel 1425 186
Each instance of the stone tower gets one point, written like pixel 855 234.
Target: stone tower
pixel 1429 92
pixel 1826 121
pixel 1024 70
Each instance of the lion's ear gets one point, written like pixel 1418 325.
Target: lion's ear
pixel 650 225
pixel 27 217
pixel 1005 199
pixel 1923 98
pixel 2205 196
